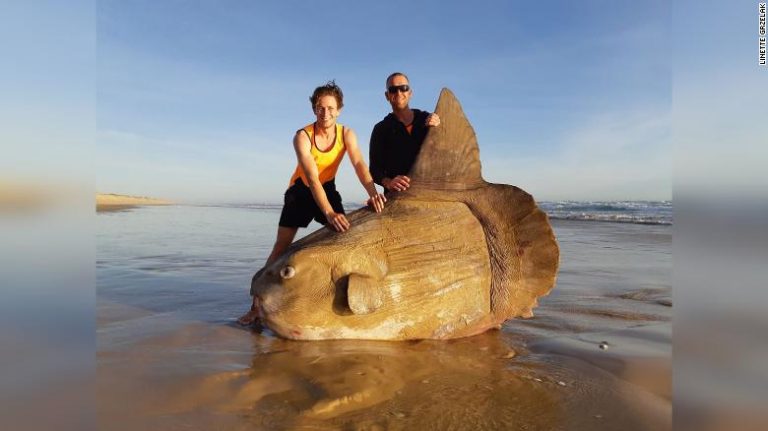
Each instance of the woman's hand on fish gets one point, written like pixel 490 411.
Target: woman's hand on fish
pixel 433 120
pixel 337 221
pixel 377 202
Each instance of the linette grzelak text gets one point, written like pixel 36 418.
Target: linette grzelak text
pixel 761 31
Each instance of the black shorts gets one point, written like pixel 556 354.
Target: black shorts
pixel 299 207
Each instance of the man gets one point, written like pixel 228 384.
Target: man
pixel 396 140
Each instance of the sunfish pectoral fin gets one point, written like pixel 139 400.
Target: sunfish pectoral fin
pixel 364 294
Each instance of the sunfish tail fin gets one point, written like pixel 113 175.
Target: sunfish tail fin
pixel 522 245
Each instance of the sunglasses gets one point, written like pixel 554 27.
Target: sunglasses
pixel 395 88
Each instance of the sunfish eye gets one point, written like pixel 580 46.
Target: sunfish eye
pixel 287 272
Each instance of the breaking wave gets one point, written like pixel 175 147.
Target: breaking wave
pixel 639 212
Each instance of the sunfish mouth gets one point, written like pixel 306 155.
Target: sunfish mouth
pixel 287 330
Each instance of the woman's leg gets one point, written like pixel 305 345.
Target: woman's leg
pixel 285 236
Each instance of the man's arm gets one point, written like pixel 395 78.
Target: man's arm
pixel 375 199
pixel 302 147
pixel 433 120
pixel 377 151
pixel 376 154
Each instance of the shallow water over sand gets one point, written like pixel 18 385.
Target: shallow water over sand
pixel 171 280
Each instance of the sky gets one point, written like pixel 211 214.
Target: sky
pixel 198 101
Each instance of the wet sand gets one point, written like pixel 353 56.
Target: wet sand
pixel 170 357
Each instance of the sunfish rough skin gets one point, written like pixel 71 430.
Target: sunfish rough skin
pixel 451 257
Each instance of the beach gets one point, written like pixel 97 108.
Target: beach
pixel 116 202
pixel 172 279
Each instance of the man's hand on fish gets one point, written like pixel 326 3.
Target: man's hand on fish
pixel 377 202
pixel 433 120
pixel 399 184
pixel 337 221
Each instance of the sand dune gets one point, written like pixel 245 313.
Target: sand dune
pixel 111 201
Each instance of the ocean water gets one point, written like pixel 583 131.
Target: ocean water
pixel 172 280
pixel 641 212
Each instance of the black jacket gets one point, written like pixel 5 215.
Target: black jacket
pixel 392 149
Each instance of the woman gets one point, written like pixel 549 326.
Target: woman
pixel 312 194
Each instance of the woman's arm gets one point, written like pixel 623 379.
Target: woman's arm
pixel 302 147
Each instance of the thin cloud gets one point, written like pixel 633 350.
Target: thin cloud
pixel 615 156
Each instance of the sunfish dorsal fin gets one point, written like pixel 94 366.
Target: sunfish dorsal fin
pixel 449 157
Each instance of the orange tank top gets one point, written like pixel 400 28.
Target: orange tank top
pixel 327 161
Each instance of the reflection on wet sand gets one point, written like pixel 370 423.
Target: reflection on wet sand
pixel 490 381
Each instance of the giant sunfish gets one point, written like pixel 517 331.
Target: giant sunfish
pixel 453 256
